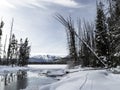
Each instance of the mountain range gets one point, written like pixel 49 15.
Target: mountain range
pixel 43 58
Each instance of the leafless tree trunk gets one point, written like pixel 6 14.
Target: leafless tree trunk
pixel 69 25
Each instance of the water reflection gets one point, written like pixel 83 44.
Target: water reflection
pixel 2 86
pixel 22 81
pixel 13 81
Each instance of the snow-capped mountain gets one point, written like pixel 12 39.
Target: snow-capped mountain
pixel 43 58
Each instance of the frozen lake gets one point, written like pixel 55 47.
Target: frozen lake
pixel 31 78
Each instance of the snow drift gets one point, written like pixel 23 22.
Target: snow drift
pixel 87 80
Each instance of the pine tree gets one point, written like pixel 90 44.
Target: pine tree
pixel 16 53
pixel 1 26
pixel 101 37
pixel 24 53
pixel 20 53
pixel 11 54
pixel 13 48
pixel 114 32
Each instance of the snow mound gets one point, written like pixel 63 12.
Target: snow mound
pixel 87 80
pixel 7 69
pixel 98 74
pixel 31 88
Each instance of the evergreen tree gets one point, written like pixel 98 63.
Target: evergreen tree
pixel 20 52
pixel 101 37
pixel 13 50
pixel 24 53
pixel 8 54
pixel 1 26
pixel 114 32
pixel 16 53
pixel 11 54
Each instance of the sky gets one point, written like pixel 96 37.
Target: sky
pixel 35 19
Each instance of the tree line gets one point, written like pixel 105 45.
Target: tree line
pixel 17 53
pixel 95 44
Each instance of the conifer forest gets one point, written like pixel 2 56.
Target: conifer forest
pixel 17 52
pixel 95 44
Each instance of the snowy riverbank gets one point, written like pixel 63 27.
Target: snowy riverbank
pixel 87 80
pixel 83 79
pixel 69 79
pixel 7 69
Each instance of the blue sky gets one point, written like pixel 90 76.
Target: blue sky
pixel 34 19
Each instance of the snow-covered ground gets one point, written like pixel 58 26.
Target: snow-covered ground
pixel 87 80
pixel 74 79
pixel 50 70
pixel 6 69
pixel 47 66
pixel 82 79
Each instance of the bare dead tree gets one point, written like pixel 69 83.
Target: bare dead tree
pixel 69 25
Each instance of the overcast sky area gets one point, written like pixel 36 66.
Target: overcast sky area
pixel 35 19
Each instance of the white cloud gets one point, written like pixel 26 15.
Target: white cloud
pixel 21 3
pixel 39 3
pixel 4 4
pixel 37 24
pixel 67 3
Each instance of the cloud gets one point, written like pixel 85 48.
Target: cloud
pixel 66 3
pixel 4 4
pixel 34 19
pixel 21 3
pixel 39 3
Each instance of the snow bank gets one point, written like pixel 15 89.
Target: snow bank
pixel 56 73
pixel 6 69
pixel 54 66
pixel 31 88
pixel 87 80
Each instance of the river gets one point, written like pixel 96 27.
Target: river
pixel 29 80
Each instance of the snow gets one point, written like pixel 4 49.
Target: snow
pixel 56 73
pixel 6 69
pixel 87 80
pixel 49 70
pixel 55 66
pixel 75 79
pixel 43 58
